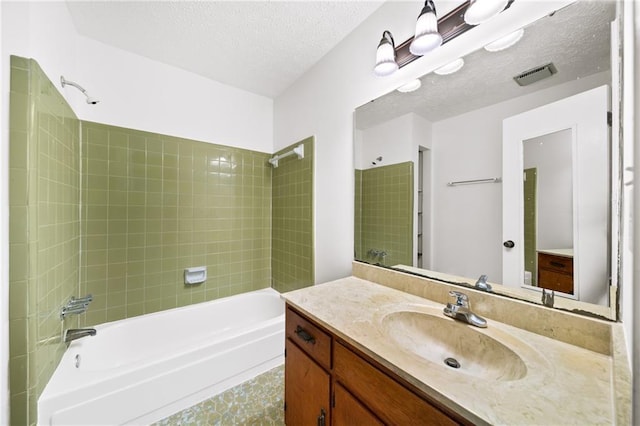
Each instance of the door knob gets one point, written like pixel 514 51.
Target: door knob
pixel 509 244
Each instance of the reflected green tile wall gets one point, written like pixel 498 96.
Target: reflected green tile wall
pixel 357 236
pixel 153 205
pixel 386 214
pixel 44 231
pixel 530 223
pixel 292 239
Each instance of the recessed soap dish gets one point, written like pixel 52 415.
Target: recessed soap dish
pixel 196 275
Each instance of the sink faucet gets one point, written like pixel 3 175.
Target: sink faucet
pixel 482 283
pixel 77 333
pixel 547 298
pixel 461 310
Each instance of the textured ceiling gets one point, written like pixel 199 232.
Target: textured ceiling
pixel 576 39
pixel 260 46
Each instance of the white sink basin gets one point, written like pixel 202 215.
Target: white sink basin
pixel 436 338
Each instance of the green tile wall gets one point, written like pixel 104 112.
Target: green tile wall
pixel 385 214
pixel 530 223
pixel 153 205
pixel 292 261
pixel 44 231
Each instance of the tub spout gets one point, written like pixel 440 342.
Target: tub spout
pixel 77 333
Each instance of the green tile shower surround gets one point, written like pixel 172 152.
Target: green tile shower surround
pixel 120 213
pixel 384 218
pixel 44 194
pixel 292 261
pixel 153 205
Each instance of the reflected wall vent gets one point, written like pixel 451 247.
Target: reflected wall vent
pixel 535 74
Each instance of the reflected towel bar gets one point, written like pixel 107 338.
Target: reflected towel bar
pixel 298 150
pixel 469 182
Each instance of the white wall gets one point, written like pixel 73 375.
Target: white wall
pixel 144 94
pixel 391 140
pixel 467 220
pixel 134 91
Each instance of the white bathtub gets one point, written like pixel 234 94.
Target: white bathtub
pixel 143 369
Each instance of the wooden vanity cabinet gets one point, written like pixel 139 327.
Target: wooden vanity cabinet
pixel 328 382
pixel 555 272
pixel 307 382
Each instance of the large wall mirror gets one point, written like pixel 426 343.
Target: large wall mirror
pixel 474 174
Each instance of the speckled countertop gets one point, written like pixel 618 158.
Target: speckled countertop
pixel 562 384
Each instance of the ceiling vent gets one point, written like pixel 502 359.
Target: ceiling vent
pixel 535 74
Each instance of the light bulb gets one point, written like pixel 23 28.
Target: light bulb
pixel 451 67
pixel 427 36
pixel 410 86
pixel 505 42
pixel 480 11
pixel 385 56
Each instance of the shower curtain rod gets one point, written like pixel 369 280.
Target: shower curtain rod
pixel 298 150
pixel 468 182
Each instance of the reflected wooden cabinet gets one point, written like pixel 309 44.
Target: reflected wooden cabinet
pixel 555 272
pixel 328 382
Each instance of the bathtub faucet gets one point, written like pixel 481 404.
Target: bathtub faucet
pixel 77 333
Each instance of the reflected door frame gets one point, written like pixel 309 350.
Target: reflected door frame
pixel 586 115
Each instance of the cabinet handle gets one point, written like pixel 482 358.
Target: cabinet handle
pixel 304 335
pixel 557 264
pixel 321 418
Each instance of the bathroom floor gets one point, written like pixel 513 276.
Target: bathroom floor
pixel 258 401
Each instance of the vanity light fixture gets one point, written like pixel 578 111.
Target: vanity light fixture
pixel 505 42
pixel 386 56
pixel 450 68
pixel 432 32
pixel 411 86
pixel 427 36
pixel 480 11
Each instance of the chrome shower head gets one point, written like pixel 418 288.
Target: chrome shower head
pixel 90 100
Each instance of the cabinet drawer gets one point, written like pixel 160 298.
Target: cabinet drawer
pixel 309 337
pixel 555 281
pixel 391 401
pixel 555 263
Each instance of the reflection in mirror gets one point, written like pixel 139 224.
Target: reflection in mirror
pixel 574 259
pixel 450 131
pixel 548 211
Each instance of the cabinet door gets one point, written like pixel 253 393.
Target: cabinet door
pixel 348 411
pixel 306 389
pixel 388 399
